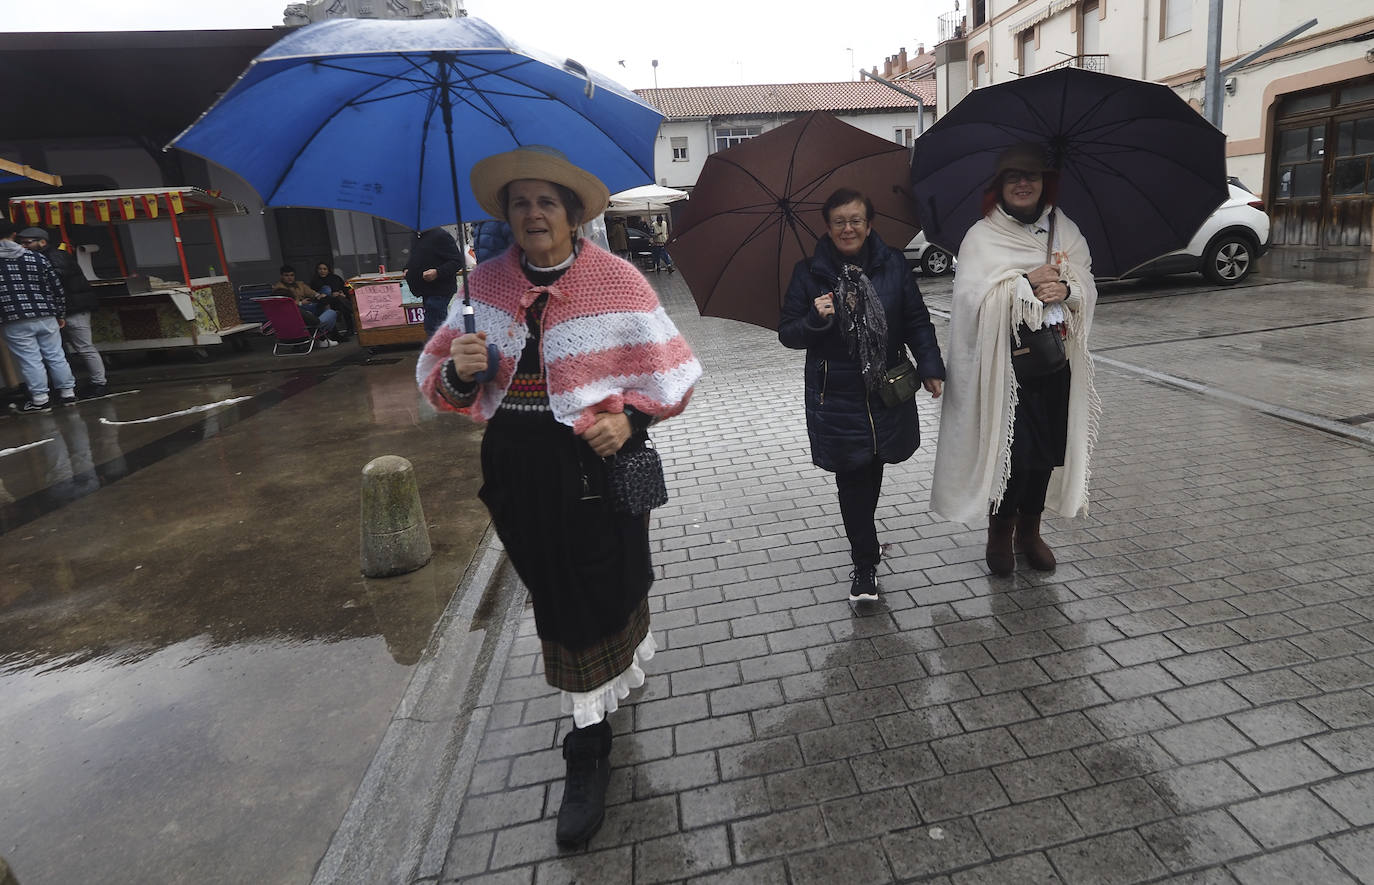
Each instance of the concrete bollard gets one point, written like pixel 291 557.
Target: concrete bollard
pixel 6 876
pixel 395 537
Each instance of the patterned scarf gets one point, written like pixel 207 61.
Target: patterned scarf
pixel 863 324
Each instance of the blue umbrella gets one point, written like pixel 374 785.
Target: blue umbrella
pixel 388 118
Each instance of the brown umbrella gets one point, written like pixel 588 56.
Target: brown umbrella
pixel 756 211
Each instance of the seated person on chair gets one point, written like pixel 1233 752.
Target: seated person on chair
pixel 332 291
pixel 315 313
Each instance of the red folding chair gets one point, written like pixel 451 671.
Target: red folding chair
pixel 284 322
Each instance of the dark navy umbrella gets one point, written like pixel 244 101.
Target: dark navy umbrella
pixel 1140 170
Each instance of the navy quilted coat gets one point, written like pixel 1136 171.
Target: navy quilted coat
pixel 848 426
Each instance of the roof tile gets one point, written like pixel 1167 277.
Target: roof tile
pixel 787 98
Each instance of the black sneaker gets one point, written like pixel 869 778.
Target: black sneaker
pixel 588 752
pixel 32 408
pixel 863 585
pixel 95 391
pixel 67 400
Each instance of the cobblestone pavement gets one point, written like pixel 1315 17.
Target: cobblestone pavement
pixel 1186 699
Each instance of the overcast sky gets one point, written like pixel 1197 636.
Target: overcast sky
pixel 696 42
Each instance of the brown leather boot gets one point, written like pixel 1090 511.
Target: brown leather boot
pixel 1038 554
pixel 1000 559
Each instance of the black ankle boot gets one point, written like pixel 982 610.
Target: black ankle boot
pixel 588 752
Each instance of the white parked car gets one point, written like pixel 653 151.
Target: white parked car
pixel 930 258
pixel 1224 249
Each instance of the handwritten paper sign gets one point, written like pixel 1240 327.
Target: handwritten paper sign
pixel 379 305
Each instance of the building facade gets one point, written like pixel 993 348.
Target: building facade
pixel 1299 119
pixel 700 120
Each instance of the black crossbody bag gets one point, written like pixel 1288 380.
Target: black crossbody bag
pixel 1041 351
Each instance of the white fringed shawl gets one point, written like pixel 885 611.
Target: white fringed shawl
pixel 973 457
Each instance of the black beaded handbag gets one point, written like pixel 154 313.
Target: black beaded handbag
pixel 636 480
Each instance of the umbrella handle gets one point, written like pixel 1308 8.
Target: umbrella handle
pixel 493 355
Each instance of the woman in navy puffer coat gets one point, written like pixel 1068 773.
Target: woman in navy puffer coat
pixel 855 309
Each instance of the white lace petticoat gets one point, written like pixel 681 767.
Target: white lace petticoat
pixel 590 707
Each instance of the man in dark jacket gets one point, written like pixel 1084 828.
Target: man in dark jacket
pixel 81 300
pixel 432 274
pixel 31 310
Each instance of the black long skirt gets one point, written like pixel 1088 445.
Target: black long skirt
pixel 587 567
pixel 1040 429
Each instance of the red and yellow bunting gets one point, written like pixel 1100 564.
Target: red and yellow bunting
pixel 133 207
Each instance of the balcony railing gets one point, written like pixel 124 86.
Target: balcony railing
pixel 1095 63
pixel 951 26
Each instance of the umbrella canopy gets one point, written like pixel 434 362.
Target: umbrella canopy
pixel 756 211
pixel 388 118
pixel 1140 170
pixel 647 198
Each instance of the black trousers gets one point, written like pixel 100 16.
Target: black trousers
pixel 1026 488
pixel 859 490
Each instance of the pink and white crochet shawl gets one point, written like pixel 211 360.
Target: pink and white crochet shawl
pixel 607 342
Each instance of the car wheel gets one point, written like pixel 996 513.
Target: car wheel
pixel 1229 259
pixel 936 262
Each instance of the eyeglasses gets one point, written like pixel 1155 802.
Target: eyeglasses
pixel 1011 176
pixel 842 223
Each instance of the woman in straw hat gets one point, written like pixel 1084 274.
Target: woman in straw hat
pixel 1016 435
pixel 588 360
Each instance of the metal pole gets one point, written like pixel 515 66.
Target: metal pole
pixel 118 249
pixel 1235 66
pixel 920 102
pixel 1211 89
pixel 446 107
pixel 176 237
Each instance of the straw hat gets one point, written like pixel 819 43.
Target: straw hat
pixel 539 162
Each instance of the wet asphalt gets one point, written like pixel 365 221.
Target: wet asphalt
pixel 194 673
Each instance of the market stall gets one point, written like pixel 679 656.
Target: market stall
pixel 140 312
pixel 386 312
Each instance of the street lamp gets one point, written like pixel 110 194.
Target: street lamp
pixel 654 62
pixel 850 49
